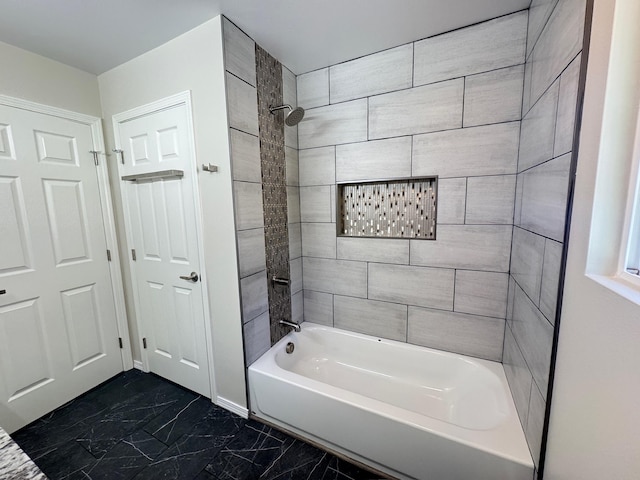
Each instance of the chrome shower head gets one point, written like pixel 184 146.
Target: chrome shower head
pixel 293 117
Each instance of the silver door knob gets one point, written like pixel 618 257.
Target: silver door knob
pixel 193 277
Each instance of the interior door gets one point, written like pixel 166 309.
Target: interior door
pixel 162 230
pixel 58 327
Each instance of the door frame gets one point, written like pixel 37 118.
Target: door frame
pixel 182 98
pixel 106 204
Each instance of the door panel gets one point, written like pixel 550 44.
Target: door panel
pixel 161 223
pixel 58 330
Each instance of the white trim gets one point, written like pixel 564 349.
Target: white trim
pixel 182 98
pixel 232 407
pixel 108 221
pixel 137 364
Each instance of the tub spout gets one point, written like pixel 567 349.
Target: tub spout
pixel 293 325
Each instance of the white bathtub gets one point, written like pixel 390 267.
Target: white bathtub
pixel 412 412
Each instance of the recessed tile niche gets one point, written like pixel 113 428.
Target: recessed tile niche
pixel 388 209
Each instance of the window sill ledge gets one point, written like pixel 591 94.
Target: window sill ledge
pixel 627 289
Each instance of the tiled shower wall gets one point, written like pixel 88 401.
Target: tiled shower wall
pixel 554 48
pixel 242 103
pixel 449 106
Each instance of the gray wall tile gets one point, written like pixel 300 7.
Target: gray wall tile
pixel 253 290
pixel 518 376
pixel 334 124
pixel 373 74
pixel 257 338
pixel 544 198
pixel 490 199
pixel 332 196
pixel 381 250
pixel 481 293
pixel 289 97
pixel 457 332
pixel 417 110
pixel 451 202
pixel 239 53
pixel 291 136
pixel 535 423
pixel 475 247
pixel 538 130
pixel 539 13
pixel 318 307
pixel 550 279
pixel 315 204
pixel 479 48
pixel 380 159
pixel 510 300
pixel 517 209
pixel 560 41
pixel 295 240
pixel 242 103
pixel 407 285
pixel 251 253
pixel 380 319
pixel 317 166
pixel 527 251
pixel 319 240
pixel 567 108
pixel 342 277
pixel 248 205
pixel 493 97
pixel 313 88
pixel 534 335
pixel 297 307
pixel 292 163
pixel 245 155
pixel 295 270
pixel 486 150
pixel 526 94
pixel 293 205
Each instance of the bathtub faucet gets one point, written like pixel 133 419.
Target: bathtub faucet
pixel 293 325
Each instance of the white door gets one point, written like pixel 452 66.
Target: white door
pixel 162 230
pixel 58 327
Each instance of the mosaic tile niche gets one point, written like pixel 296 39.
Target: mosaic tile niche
pixel 392 209
pixel 274 190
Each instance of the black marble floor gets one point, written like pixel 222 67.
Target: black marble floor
pixel 139 426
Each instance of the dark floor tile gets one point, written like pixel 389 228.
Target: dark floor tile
pixel 64 461
pixel 125 385
pixel 338 469
pixel 299 461
pixel 179 418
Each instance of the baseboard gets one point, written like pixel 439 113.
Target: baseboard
pixel 137 364
pixel 232 407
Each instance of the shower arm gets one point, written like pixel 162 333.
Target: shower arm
pixel 281 107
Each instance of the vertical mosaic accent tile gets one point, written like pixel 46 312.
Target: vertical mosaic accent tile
pixel 274 188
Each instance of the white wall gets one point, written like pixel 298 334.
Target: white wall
pixel 42 80
pixel 193 61
pixel 595 417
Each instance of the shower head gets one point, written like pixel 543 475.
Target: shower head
pixel 293 117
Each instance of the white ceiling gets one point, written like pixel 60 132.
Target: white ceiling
pixel 97 35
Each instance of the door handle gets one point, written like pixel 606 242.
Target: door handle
pixel 2 292
pixel 192 278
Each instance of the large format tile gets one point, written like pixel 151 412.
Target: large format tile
pixel 535 422
pixel 289 97
pixel 493 97
pixel 479 48
pixel 518 376
pixel 560 41
pixel 251 251
pixel 335 124
pixel 256 335
pixel 457 332
pixel 380 319
pixel 539 13
pixel 538 131
pixel 178 419
pixel 534 335
pixel 380 72
pixel 293 205
pixel 567 101
pixel 490 200
pixel 317 166
pixel 451 202
pixel 248 205
pixel 242 102
pixel 380 159
pixel 295 240
pixel 297 307
pixel 381 250
pixel 315 204
pixel 417 110
pixel 527 251
pixel 253 290
pixel 318 307
pixel 292 166
pixel 295 272
pixel 424 287
pixel 245 155
pixel 550 279
pixel 474 247
pixel 319 240
pixel 342 277
pixel 313 88
pixel 486 150
pixel 239 53
pixel 544 198
pixel 481 293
